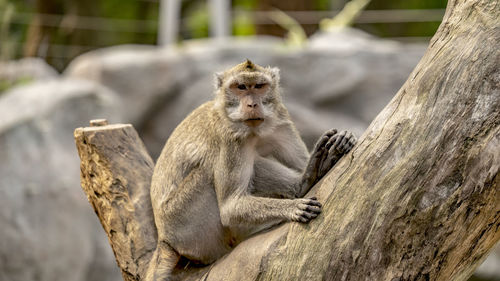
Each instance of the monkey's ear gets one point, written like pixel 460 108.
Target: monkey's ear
pixel 275 73
pixel 218 79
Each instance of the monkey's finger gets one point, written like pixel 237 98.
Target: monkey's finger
pixel 322 162
pixel 313 209
pixel 352 139
pixel 328 162
pixel 350 136
pixel 299 216
pixel 350 144
pixel 343 145
pixel 313 202
pixel 322 141
pixel 317 151
pixel 302 219
pixel 330 132
pixel 334 152
pixel 313 206
pixel 309 216
pixel 330 142
pixel 339 139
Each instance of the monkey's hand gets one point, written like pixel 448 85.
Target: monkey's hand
pixel 305 209
pixel 327 151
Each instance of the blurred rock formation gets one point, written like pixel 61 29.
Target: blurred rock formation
pixel 24 71
pixel 47 230
pixel 339 80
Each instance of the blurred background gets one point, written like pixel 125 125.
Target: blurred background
pixel 149 63
pixel 59 30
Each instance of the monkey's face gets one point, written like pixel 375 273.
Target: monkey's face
pixel 249 100
pixel 249 96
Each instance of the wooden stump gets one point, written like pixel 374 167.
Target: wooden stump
pixel 116 174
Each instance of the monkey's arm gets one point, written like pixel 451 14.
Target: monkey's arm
pixel 239 207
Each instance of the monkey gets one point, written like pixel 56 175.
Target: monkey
pixel 235 166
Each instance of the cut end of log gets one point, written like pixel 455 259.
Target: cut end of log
pixel 98 122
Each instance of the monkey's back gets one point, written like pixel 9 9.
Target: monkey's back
pixel 182 190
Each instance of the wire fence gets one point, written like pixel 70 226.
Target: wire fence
pixel 258 18
pixel 150 27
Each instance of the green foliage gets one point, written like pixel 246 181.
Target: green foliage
pixel 6 84
pixel 345 18
pixel 197 21
pixel 296 35
pixel 7 43
pixel 407 4
pixel 243 25
pixel 322 4
pixel 245 4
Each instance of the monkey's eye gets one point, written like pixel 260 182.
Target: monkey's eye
pixel 241 87
pixel 258 86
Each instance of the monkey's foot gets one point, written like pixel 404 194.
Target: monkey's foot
pixel 311 175
pixel 305 209
pixel 337 145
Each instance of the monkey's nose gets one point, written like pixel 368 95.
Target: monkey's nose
pixel 252 105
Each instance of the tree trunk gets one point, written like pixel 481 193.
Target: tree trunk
pixel 416 199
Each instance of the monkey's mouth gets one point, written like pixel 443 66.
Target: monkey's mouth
pixel 253 122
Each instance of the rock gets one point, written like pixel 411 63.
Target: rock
pixel 143 76
pixel 340 80
pixel 24 71
pixel 489 270
pixel 48 230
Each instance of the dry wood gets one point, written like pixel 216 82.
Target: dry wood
pixel 116 172
pixel 417 199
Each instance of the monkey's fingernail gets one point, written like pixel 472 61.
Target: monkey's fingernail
pixel 314 209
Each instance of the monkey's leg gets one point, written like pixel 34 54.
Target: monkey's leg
pixel 162 263
pixel 327 151
pixel 273 179
pixel 312 173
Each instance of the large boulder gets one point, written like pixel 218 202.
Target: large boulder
pixel 48 230
pixel 339 80
pixel 24 71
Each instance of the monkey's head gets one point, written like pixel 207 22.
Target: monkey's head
pixel 249 95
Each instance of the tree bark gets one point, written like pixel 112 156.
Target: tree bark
pixel 116 173
pixel 416 199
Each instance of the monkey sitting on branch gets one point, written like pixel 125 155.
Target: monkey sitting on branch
pixel 235 166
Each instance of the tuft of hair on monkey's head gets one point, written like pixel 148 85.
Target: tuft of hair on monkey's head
pixel 247 68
